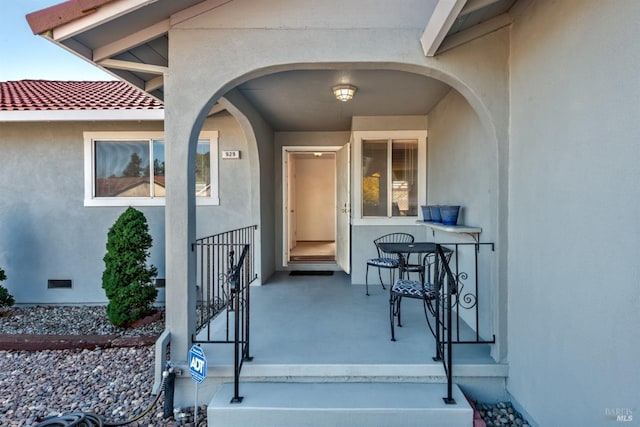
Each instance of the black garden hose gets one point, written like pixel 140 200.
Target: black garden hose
pixel 89 419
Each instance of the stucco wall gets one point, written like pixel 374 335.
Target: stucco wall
pixel 574 274
pixel 47 233
pixel 45 230
pixel 463 170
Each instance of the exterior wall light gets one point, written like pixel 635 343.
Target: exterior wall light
pixel 344 93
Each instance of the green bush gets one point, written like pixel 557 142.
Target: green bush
pixel 6 300
pixel 127 280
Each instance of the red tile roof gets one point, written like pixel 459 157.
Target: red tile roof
pixel 33 95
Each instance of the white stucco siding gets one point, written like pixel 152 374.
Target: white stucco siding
pixel 463 164
pixel 463 170
pixel 308 14
pixel 574 274
pixel 234 180
pixel 45 230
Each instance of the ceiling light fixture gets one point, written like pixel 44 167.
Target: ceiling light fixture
pixel 344 93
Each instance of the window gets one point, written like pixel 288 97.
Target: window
pixel 391 180
pixel 128 168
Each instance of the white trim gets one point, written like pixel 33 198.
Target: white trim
pixel 356 171
pixel 154 83
pixel 105 13
pixel 81 115
pixel 442 18
pixel 89 169
pixel 133 66
pixel 285 217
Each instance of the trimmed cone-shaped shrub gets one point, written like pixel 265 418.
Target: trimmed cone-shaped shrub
pixel 127 280
pixel 6 300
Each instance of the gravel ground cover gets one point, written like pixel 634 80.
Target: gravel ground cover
pixel 114 383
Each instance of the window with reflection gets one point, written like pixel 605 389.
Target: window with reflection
pixel 389 177
pixel 134 168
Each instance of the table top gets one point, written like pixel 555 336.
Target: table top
pixel 408 248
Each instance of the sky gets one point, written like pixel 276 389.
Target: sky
pixel 26 56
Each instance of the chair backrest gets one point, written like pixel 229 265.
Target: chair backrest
pixel 429 262
pixel 392 238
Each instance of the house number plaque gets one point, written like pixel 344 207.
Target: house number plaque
pixel 230 154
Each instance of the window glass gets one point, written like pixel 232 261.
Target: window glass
pixel 158 169
pixel 122 169
pixel 374 177
pixel 404 188
pixel 203 169
pixel 128 168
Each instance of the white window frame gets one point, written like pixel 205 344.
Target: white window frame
pixel 357 138
pixel 89 169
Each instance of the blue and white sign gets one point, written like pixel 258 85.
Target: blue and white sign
pixel 197 364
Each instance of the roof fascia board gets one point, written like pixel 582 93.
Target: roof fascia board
pixel 443 17
pixel 106 13
pixel 132 40
pixel 475 32
pixel 133 66
pixel 473 5
pixel 196 10
pixel 81 115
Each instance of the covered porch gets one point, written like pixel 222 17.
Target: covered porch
pixel 321 328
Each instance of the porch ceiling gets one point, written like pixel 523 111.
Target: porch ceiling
pixel 129 39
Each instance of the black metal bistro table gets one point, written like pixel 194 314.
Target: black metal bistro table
pixel 403 250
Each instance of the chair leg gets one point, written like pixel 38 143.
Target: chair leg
pixel 380 277
pixel 392 315
pixel 399 304
pixel 366 280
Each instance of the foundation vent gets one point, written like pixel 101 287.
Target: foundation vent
pixel 59 284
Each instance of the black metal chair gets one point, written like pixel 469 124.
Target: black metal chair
pixel 426 289
pixel 384 260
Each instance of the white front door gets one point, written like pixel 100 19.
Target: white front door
pixel 343 208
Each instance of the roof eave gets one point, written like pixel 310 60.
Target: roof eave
pixel 82 115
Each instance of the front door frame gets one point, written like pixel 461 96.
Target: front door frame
pixel 286 150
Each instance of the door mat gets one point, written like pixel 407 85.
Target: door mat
pixel 311 258
pixel 310 273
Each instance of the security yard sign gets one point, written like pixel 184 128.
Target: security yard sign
pixel 197 364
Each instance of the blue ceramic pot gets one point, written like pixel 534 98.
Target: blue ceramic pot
pixel 435 213
pixel 449 214
pixel 426 213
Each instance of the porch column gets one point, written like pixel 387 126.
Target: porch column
pixel 180 220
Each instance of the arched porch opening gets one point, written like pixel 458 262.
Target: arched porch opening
pixel 479 159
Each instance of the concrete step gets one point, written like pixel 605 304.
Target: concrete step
pixel 380 404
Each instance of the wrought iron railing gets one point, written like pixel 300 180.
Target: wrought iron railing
pixel 225 269
pixel 458 301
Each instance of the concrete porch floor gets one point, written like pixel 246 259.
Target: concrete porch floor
pixel 323 357
pixel 312 327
